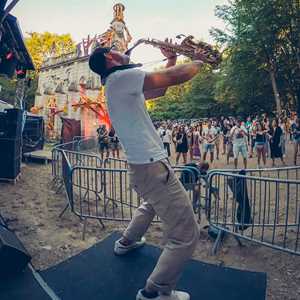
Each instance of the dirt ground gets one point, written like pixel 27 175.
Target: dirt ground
pixel 31 208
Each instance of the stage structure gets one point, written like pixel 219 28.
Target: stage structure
pixel 68 88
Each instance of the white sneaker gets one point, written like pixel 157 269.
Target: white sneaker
pixel 121 249
pixel 175 295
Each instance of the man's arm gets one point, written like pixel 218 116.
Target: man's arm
pixel 156 93
pixel 163 79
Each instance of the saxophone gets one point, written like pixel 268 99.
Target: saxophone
pixel 189 47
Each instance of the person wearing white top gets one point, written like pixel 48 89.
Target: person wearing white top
pixel 210 135
pixel 239 135
pixel 150 172
pixel 166 136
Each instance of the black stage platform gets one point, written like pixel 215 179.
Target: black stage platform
pixel 97 274
pixel 22 287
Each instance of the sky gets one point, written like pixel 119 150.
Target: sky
pixel 157 19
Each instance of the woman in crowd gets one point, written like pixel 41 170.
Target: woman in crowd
pixel 217 141
pixel 181 145
pixel 196 140
pixel 261 144
pixel 296 138
pixel 114 143
pixel 276 137
pixel 103 141
pixel 190 138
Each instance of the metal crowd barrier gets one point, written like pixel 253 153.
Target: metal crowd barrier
pixel 265 210
pixel 261 206
pixel 76 156
pixel 291 172
pixel 103 192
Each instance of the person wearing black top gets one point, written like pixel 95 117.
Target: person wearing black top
pixel 181 145
pixel 103 140
pixel 260 143
pixel 276 134
pixel 114 143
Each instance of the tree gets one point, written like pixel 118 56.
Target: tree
pixel 40 46
pixel 43 45
pixel 264 34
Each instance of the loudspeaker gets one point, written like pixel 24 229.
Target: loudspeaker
pixel 14 118
pixel 10 158
pixel 13 255
pixel 11 123
pixel 8 66
pixel 2 125
pixel 33 134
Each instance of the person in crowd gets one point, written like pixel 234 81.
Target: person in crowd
pixel 282 125
pixel 181 145
pixel 196 141
pixel 276 138
pixel 103 141
pixel 261 144
pixel 229 144
pixel 209 136
pixel 252 132
pixel 224 131
pixel 190 178
pixel 174 134
pixel 114 143
pixel 166 136
pixel 292 121
pixel 189 134
pixel 296 138
pixel 248 125
pixel 238 135
pixel 217 126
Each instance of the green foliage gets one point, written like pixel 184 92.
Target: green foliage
pixel 263 39
pixel 261 42
pixel 42 45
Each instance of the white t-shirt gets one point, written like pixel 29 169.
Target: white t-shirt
pixel 209 134
pixel 166 135
pixel 239 134
pixel 130 119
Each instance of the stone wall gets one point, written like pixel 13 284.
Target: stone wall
pixel 61 82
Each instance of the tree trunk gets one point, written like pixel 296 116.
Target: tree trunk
pixel 275 91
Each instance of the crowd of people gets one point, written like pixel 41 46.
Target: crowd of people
pixel 209 139
pixel 231 137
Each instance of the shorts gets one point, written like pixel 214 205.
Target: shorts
pixel 240 148
pixel 209 148
pixel 103 146
pixel 260 146
pixel 114 146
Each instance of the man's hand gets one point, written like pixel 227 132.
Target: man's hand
pixel 169 54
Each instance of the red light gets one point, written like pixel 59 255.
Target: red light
pixel 20 72
pixel 9 55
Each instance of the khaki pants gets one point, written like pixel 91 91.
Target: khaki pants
pixel 164 195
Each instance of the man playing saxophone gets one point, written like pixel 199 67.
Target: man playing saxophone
pixel 151 175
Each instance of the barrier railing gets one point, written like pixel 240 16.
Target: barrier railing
pixel 260 209
pixel 104 192
pixel 260 205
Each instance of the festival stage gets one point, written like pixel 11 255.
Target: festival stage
pixel 97 274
